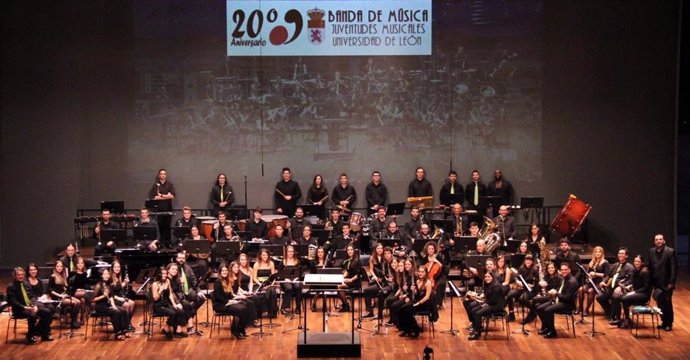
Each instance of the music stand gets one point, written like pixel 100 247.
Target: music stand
pixel 486 202
pixel 180 232
pixel 478 262
pixel 454 291
pixel 238 212
pixel 196 246
pixel 395 209
pixel 301 250
pixel 516 260
pixel 115 207
pixel 273 250
pixel 311 210
pixel 145 233
pixel 418 245
pixel 512 246
pixel 151 204
pixel 454 199
pixel 465 243
pixel 225 248
pixel 321 236
pixel 530 202
pixel 340 254
pixel 118 236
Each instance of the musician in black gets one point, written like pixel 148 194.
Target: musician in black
pixel 322 260
pixel 146 221
pixel 379 273
pixel 530 274
pixel 70 258
pixel 164 192
pixel 59 289
pixel 228 234
pixel 567 255
pixel 344 195
pixel 226 300
pixel 376 193
pixel 551 280
pixel 419 186
pixel 473 191
pixel 505 225
pixel 334 224
pixel 460 223
pixel 598 268
pixel 222 195
pixel 352 270
pixel 279 238
pixel 344 239
pixel 258 229
pixel 291 268
pixel 421 301
pixel 638 291
pixel 287 193
pixel 451 188
pixel 25 305
pixel 405 277
pixel 219 227
pixel 663 264
pixel 188 219
pixel 307 238
pixel 502 188
pixel 177 286
pixel 104 223
pixel 491 301
pixel 317 195
pixel 377 226
pixel 296 224
pixel 620 274
pixel 563 300
pixel 413 225
pixel 189 283
pixel 104 301
pixel 165 303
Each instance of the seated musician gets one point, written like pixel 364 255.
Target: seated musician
pixel 244 275
pixel 190 284
pixel 263 269
pixel 296 224
pixel 344 239
pixel 334 224
pixel 119 290
pixel 620 274
pixel 351 271
pixel 58 289
pixel 79 282
pixel 476 280
pixel 198 261
pixel 491 301
pixel 474 230
pixel 523 249
pixel 307 238
pixel 405 276
pixel 435 271
pixel 226 300
pixel 228 233
pixel 421 301
pixel 320 261
pixel 146 221
pixel 258 229
pixel 104 223
pixel 377 272
pixel 292 284
pixel 565 254
pixel 413 226
pixel 165 303
pixel 70 258
pixel 219 227
pixel 529 273
pixel 377 226
pixel 280 238
pixel 505 275
pixel 105 304
pixel 640 289
pixel 598 267
pixel 551 280
pixel 25 305
pixel 188 219
pixel 177 286
pixel 563 300
pixel 38 288
pixel 404 244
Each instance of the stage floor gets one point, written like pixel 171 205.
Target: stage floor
pixel 615 344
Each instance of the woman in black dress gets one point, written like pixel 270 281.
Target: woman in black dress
pixel 58 290
pixel 165 303
pixel 317 195
pixel 226 300
pixel 352 270
pixel 104 301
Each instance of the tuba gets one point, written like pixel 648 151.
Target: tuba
pixel 492 239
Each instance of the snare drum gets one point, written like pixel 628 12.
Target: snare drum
pixel 207 228
pixel 273 221
pixel 356 221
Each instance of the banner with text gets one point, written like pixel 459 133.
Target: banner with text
pixel 328 28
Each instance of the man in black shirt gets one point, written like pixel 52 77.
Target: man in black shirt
pixel 258 229
pixel 420 186
pixel 104 223
pixel 297 224
pixel 566 255
pixel 619 274
pixel 344 194
pixel 414 224
pixel 663 264
pixel 146 221
pixel 473 191
pixel 566 301
pixel 501 187
pixel 505 225
pixel 25 306
pixel 452 188
pixel 219 227
pixel 376 193
pixel 164 192
pixel 280 238
pixel 335 224
pixel 187 219
pixel 287 193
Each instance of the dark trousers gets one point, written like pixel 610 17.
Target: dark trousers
pixel 604 299
pixel 664 300
pixel 39 321
pixel 176 317
pixel 291 290
pixel 395 311
pixel 164 222
pixel 546 313
pixel 118 316
pixel 479 310
pixel 406 315
pixel 243 313
pixel 633 298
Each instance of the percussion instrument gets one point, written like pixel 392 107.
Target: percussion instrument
pixel 313 219
pixel 356 220
pixel 273 221
pixel 421 201
pixel 207 228
pixel 568 222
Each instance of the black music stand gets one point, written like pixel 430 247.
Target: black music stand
pixel 454 291
pixel 464 244
pixel 196 246
pixel 532 204
pixel 238 212
pixel 445 224
pixel 301 250
pixel 454 199
pixel 146 233
pixel 516 260
pixel 273 250
pixel 117 236
pixel 321 236
pixel 115 207
pixel 395 209
pixel 311 210
pixel 225 248
pixel 512 246
pixel 478 262
pixel 418 245
pixel 489 202
pixel 180 232
pixel 526 287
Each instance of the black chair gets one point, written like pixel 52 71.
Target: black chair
pixel 98 319
pixel 150 315
pixel 496 316
pixel 569 315
pixel 218 320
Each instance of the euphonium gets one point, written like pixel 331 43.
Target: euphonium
pixel 492 240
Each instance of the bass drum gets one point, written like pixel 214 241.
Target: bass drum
pixel 568 222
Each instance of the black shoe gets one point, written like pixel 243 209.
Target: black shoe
pixel 414 335
pixel 298 311
pixel 344 309
pixel 168 334
pixel 526 321
pixel 130 328
pixel 368 315
pixel 625 324
pixel 46 338
pixel 474 336
pixel 181 335
pixel 75 325
pixel 550 335
pixel 615 322
pixel 543 331
pixel 511 317
pixel 284 312
pixel 237 335
pixel 668 328
pixel 404 334
pixel 30 340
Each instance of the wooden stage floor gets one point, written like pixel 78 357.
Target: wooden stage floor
pixel 615 344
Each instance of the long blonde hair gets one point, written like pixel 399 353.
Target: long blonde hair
pixel 592 264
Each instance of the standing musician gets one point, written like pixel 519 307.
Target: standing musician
pixel 296 224
pixel 163 191
pixel 419 186
pixel 421 301
pixel 551 280
pixel 25 305
pixel 598 267
pixel 227 301
pixel 287 193
pixel 663 264
pixel 351 271
pixel 505 225
pixel 165 303
pixel 258 229
pixel 105 222
pixel 640 289
pixel 188 219
pixel 58 290
pixel 619 274
pixel 490 302
pixel 563 300
pixel 502 188
pixel 451 188
pixel 473 191
pixel 529 272
pixel 263 269
pixel 376 194
pixel 280 238
pixel 119 291
pixel 317 195
pixel 222 195
pixel 292 284
pixel 344 194
pixel 104 301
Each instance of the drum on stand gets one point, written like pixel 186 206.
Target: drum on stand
pixel 356 220
pixel 273 221
pixel 207 228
